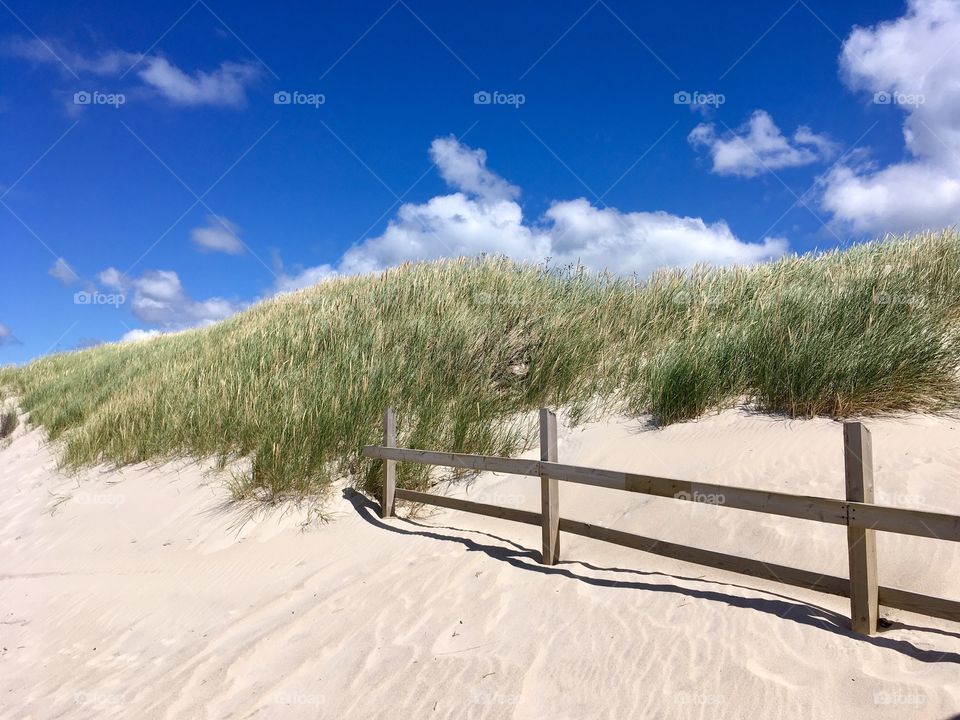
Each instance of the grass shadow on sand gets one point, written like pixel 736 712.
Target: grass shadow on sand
pixel 782 606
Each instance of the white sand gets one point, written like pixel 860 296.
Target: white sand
pixel 137 596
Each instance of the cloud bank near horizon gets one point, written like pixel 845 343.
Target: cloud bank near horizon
pixel 483 215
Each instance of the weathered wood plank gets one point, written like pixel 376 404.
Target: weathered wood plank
pixel 505 513
pixel 922 604
pixel 549 491
pixel 861 543
pixel 829 584
pixel 805 507
pixel 832 585
pixel 820 509
pixel 721 561
pixel 480 463
pixel 808 508
pixel 828 510
pixel 905 521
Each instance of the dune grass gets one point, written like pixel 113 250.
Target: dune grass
pixel 464 349
pixel 8 423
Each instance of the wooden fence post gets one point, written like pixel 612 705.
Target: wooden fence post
pixel 549 490
pixel 861 542
pixel 389 466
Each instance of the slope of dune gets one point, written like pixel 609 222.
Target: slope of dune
pixel 296 384
pixel 142 593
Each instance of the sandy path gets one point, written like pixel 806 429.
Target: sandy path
pixel 138 597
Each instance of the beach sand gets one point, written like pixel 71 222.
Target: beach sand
pixel 141 592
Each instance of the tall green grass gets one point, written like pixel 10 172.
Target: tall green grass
pixel 463 348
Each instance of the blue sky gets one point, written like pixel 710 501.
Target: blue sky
pixel 166 165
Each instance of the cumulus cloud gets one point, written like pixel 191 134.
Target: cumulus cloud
pixel 910 65
pixel 6 336
pixel 158 298
pixel 63 273
pixel 225 86
pixel 759 146
pixel 218 235
pixel 482 216
pixel 901 197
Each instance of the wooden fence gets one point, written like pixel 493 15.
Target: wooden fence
pixel 857 512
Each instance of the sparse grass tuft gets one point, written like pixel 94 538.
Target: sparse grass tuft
pixel 464 349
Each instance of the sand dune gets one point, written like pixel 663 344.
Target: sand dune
pixel 137 593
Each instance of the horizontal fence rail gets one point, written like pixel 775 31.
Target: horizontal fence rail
pixel 828 510
pixel 858 513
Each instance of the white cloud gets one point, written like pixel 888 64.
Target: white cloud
pixel 47 51
pixel 759 146
pixel 137 335
pixel 112 278
pixel 304 278
pixel 915 61
pixel 642 242
pixel 449 226
pixel 466 169
pixel 901 197
pixel 226 85
pixel 218 235
pixel 158 298
pixel 6 336
pixel 63 273
pixel 483 218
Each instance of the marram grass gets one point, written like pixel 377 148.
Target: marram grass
pixel 463 349
pixel 8 422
